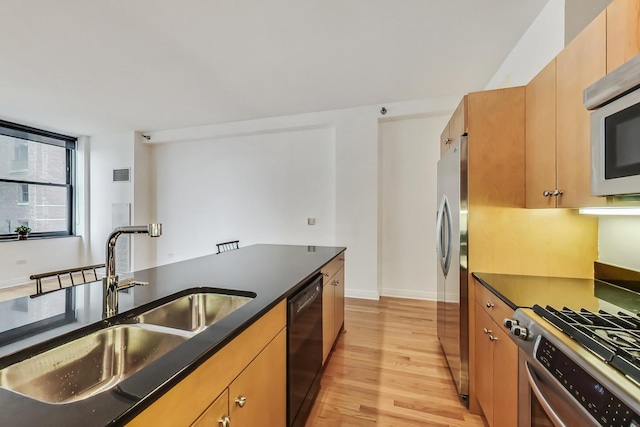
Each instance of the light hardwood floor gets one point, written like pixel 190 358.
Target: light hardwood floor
pixel 388 370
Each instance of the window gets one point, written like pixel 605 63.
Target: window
pixel 24 193
pixel 36 181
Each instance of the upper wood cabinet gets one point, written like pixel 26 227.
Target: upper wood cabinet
pixel 541 139
pixel 623 32
pixel 579 65
pixel 457 126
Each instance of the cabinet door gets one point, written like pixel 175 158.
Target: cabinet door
pixel 445 141
pixel 216 413
pixel 258 395
pixel 623 32
pixel 540 144
pixel 328 314
pixel 579 65
pixel 458 122
pixel 338 299
pixel 484 362
pixel 505 379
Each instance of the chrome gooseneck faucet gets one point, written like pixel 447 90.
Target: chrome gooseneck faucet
pixel 110 281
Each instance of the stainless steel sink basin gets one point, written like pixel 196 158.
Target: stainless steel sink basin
pixel 193 312
pixel 88 365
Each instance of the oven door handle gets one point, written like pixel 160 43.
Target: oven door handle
pixel 555 418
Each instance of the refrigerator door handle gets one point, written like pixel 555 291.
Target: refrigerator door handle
pixel 443 235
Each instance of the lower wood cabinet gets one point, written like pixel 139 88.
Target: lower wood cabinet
pixel 243 384
pixel 496 371
pixel 216 414
pixel 256 396
pixel 332 309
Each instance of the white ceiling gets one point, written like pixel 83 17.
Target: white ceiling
pixel 97 66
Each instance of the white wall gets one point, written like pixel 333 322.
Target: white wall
pixel 408 199
pixel 538 46
pixel 256 189
pixel 107 152
pixel 356 174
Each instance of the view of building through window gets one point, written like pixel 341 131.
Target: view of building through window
pixel 35 184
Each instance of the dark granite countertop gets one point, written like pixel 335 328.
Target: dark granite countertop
pixel 519 291
pixel 27 325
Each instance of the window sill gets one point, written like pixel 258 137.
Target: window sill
pixel 15 238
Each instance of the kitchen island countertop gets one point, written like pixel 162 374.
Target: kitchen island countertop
pixel 271 272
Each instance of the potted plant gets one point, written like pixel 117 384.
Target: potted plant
pixel 22 231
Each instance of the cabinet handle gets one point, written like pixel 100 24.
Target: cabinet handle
pixel 557 192
pixel 336 282
pixel 546 193
pixel 486 331
pixel 492 338
pixel 326 274
pixel 224 422
pixel 240 401
pixel 489 304
pixel 448 141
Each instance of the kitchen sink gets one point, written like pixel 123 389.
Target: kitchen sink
pixel 89 365
pixel 193 312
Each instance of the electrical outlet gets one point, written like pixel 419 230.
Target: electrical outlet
pixel 21 261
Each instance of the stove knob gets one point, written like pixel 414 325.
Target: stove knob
pixel 520 332
pixel 509 323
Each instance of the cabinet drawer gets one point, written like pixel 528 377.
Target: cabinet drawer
pixel 330 270
pixel 494 306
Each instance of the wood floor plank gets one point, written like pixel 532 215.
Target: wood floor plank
pixel 387 369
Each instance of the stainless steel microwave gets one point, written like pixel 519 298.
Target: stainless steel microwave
pixel 615 131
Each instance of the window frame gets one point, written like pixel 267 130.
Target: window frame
pixel 69 143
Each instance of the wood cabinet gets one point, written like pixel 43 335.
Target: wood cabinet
pixel 216 414
pixel 456 126
pixel 541 139
pixel 558 143
pixel 332 303
pixel 623 32
pixel 579 65
pixel 497 362
pixel 253 365
pixel 256 396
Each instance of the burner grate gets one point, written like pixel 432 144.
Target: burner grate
pixel 614 338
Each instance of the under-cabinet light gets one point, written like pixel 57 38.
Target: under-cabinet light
pixel 611 210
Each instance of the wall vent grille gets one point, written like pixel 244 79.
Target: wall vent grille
pixel 122 175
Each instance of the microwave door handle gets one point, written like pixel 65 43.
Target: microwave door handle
pixel 555 418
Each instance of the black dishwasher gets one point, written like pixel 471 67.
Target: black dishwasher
pixel 304 350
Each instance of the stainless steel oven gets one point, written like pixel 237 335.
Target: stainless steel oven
pixel 563 382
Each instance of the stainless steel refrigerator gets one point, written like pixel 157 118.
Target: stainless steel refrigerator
pixel 451 248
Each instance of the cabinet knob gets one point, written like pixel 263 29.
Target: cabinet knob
pixel 326 274
pixel 336 282
pixel 241 401
pixel 224 422
pixel 448 141
pixel 486 331
pixel 546 193
pixel 557 192
pixel 492 338
pixel 489 304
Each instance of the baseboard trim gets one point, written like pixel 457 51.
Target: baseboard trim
pixel 410 294
pixel 359 294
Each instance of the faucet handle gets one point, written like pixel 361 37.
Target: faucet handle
pixel 155 229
